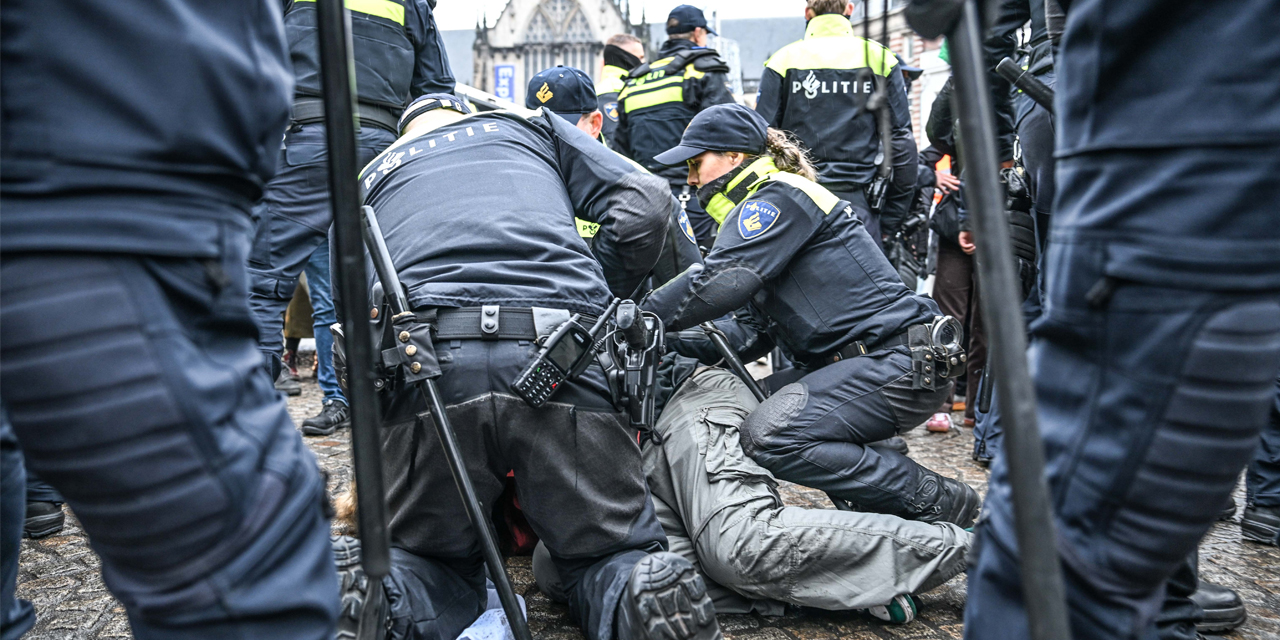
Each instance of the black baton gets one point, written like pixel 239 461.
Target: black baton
pixel 1036 90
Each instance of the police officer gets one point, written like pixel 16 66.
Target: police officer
pixel 129 366
pixel 801 261
pixel 398 54
pixel 1156 355
pixel 568 93
pixel 622 53
pixel 817 89
pixel 524 270
pixel 663 96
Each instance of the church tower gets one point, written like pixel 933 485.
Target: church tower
pixel 532 35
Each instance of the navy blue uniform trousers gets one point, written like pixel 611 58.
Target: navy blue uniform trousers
pixel 292 220
pixel 16 616
pixel 578 477
pixel 136 389
pixel 1151 399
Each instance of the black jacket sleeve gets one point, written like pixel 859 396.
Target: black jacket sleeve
pixel 898 196
pixel 939 128
pixel 1002 42
pixel 711 90
pixel 631 205
pixel 771 101
pixel 431 71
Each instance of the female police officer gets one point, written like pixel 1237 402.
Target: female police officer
pixel 814 281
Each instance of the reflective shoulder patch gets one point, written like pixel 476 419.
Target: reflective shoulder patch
pixel 817 193
pixel 756 217
pixel 686 227
pixel 587 229
pixel 611 110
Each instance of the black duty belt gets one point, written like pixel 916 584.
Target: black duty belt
pixel 860 348
pixel 489 323
pixel 311 110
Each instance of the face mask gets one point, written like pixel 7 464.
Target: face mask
pixel 709 190
pixel 618 57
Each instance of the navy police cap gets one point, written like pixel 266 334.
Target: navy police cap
pixel 686 18
pixel 725 127
pixel 431 102
pixel 564 91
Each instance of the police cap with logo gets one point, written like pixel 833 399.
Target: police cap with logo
pixel 725 127
pixel 564 91
pixel 686 18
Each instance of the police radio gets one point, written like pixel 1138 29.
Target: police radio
pixel 564 356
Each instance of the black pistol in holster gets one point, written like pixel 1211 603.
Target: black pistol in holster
pixel 635 349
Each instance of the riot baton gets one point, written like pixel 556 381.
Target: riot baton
pixel 339 117
pixel 735 364
pixel 1036 90
pixel 413 336
pixel 1041 570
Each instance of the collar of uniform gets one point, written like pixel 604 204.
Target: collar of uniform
pixel 829 25
pixel 609 72
pixel 721 204
pixel 674 45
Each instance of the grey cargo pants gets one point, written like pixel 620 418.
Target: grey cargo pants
pixel 722 512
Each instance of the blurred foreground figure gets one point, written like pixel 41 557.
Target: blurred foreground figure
pixel 1156 355
pixel 129 361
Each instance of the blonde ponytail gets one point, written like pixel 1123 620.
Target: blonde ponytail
pixel 788 154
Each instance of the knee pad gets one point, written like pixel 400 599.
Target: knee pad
pixel 772 416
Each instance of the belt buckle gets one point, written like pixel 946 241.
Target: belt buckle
pixel 490 322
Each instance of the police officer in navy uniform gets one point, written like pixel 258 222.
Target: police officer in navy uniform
pixel 622 53
pixel 663 96
pixel 129 366
pixel 817 89
pixel 1156 356
pixel 1261 520
pixel 399 54
pixel 796 262
pixel 567 92
pixel 518 262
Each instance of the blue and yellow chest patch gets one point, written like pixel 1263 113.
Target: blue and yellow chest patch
pixel 756 217
pixel 686 227
pixel 611 111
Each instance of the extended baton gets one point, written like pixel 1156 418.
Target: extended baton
pixel 1040 569
pixel 1028 84
pixel 400 310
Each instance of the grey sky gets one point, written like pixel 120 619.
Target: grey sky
pixel 463 14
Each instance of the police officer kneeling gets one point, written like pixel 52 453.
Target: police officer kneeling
pixel 869 354
pixel 478 212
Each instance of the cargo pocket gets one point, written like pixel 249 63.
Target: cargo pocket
pixel 720 443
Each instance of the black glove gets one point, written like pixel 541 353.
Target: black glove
pixel 1022 230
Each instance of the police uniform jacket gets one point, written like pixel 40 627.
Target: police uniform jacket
pixel 814 87
pixel 480 211
pixel 802 262
pixel 663 96
pixel 182 134
pixel 612 81
pixel 396 45
pixel 1002 42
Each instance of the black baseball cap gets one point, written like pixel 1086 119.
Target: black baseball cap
pixel 686 18
pixel 564 91
pixel 911 71
pixel 725 127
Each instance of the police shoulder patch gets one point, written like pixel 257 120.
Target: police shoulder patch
pixel 611 110
pixel 756 217
pixel 686 227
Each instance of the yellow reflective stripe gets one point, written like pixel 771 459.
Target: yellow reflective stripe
pixel 586 229
pixel 392 11
pixel 646 86
pixel 635 102
pixel 833 53
pixel 820 196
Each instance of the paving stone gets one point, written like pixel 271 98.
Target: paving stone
pixel 60 574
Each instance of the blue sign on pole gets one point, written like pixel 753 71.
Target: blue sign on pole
pixel 505 81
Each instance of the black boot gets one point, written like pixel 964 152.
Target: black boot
pixel 43 519
pixel 1261 524
pixel 1229 511
pixel 665 599
pixel 288 384
pixel 942 499
pixel 1223 608
pixel 332 416
pixel 364 606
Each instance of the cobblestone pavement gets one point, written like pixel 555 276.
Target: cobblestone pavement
pixel 60 574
